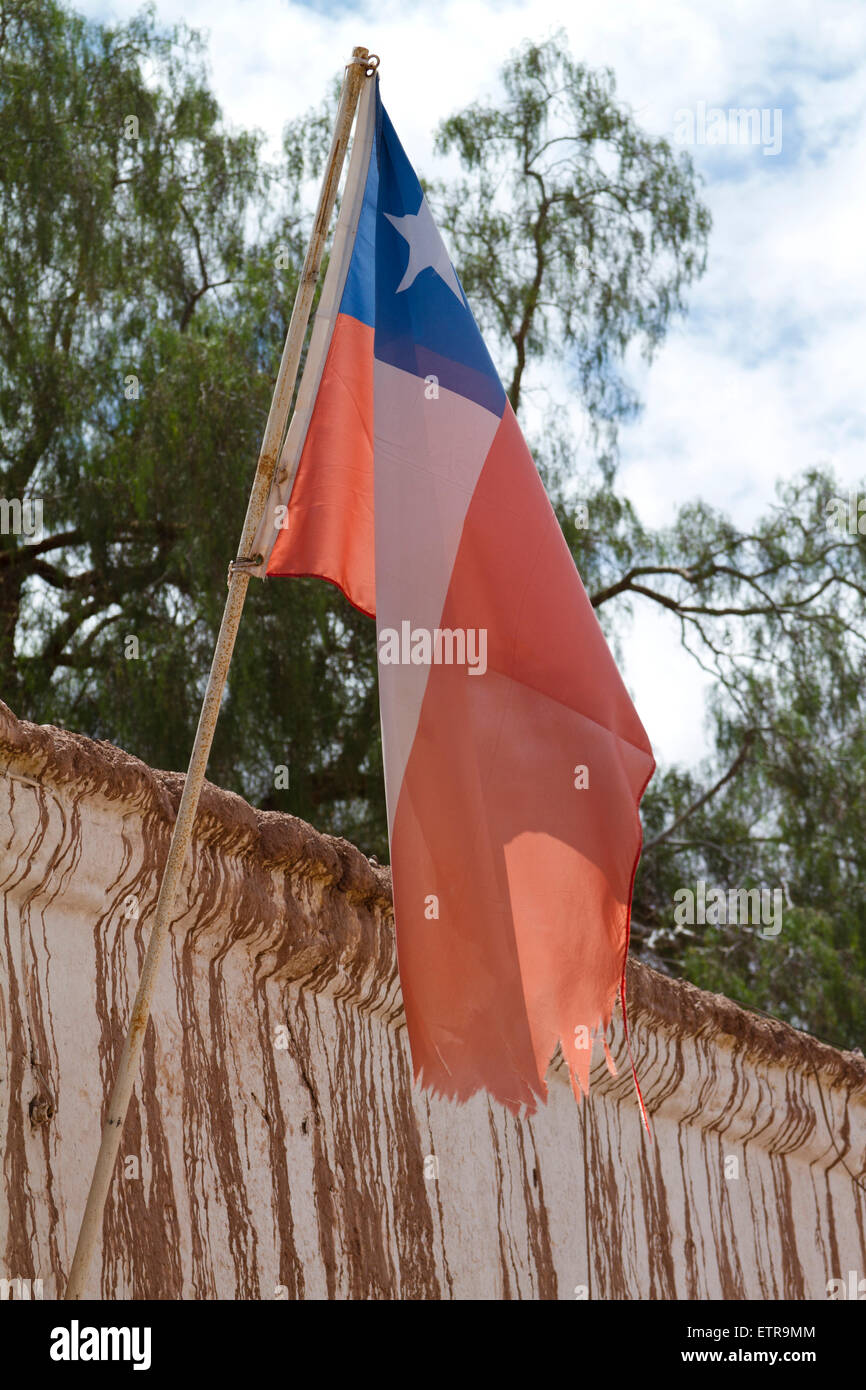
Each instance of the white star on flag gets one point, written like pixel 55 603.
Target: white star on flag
pixel 425 248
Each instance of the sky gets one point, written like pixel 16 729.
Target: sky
pixel 764 378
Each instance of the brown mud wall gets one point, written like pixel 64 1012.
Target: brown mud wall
pixel 276 1146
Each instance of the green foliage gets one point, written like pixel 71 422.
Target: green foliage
pixel 801 975
pixel 778 617
pixel 143 307
pixel 147 272
pixel 576 233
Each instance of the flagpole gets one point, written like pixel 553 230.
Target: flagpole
pixel 356 72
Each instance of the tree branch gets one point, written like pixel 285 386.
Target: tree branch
pixel 732 771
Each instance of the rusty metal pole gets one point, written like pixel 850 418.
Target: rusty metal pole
pixel 356 72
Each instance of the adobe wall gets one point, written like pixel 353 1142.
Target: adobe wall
pixel 276 1145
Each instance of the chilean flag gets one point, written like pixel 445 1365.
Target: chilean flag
pixel 514 758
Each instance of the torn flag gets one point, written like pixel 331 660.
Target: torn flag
pixel 514 758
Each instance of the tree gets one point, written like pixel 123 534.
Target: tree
pixel 576 237
pixel 779 618
pixel 141 332
pixel 147 269
pixel 123 211
pixel 576 233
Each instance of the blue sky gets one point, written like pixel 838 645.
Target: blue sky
pixel 765 376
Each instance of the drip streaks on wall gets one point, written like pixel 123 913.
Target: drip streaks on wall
pixel 277 1146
